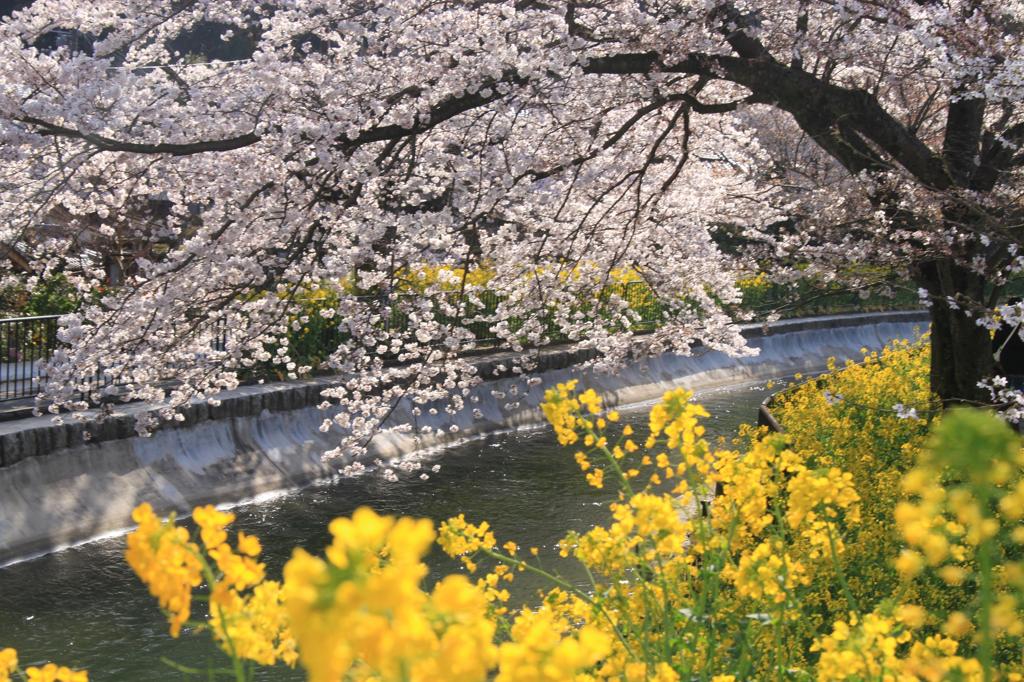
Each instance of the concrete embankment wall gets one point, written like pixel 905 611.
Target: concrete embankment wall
pixel 64 483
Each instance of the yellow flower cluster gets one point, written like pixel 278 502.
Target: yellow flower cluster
pixel 560 410
pixel 767 572
pixel 253 625
pixel 864 648
pixel 447 277
pixel 459 538
pixel 167 561
pixel 869 648
pixel 814 495
pixel 784 518
pixel 360 613
pixel 8 663
pixel 246 612
pixel 678 419
pixel 51 672
pixel 645 529
pixel 544 647
pixel 817 501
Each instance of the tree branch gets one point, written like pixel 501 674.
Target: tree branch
pixel 804 96
pixel 110 145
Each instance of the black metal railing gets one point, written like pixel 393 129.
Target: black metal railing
pixel 25 343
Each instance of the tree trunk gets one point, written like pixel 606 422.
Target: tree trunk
pixel 961 349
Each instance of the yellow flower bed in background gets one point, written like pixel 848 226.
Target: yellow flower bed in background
pixel 866 543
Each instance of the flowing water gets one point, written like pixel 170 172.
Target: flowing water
pixel 84 608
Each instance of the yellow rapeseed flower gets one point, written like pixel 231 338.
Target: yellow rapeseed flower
pixel 51 672
pixel 8 663
pixel 167 561
pixel 362 612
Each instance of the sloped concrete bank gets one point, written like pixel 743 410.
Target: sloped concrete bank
pixel 65 483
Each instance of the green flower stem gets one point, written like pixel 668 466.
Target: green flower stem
pixel 986 650
pixel 624 481
pixel 211 580
pixel 851 601
pixel 189 670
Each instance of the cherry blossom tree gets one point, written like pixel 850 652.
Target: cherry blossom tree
pixel 556 144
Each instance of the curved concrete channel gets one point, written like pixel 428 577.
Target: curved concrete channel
pixel 65 483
